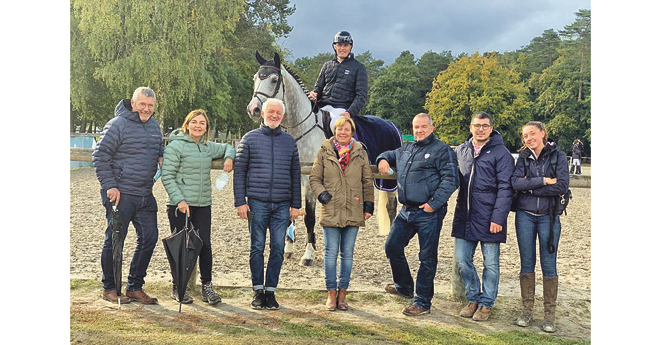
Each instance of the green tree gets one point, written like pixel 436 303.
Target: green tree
pixel 164 45
pixel 430 65
pixel 395 94
pixel 474 84
pixel 563 90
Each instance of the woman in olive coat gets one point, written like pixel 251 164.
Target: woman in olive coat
pixel 341 179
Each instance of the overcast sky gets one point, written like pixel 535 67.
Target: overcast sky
pixel 388 27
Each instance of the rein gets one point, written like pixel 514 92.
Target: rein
pixel 277 89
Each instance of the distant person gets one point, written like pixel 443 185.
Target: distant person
pixel 576 149
pixel 267 173
pixel 126 159
pixel 482 209
pixel 187 180
pixel 341 179
pixel 342 86
pixel 427 175
pixel 538 190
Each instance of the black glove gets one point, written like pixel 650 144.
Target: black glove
pixel 368 207
pixel 324 197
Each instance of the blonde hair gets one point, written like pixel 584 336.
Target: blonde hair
pixel 342 121
pixel 191 115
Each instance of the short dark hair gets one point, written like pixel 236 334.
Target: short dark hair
pixel 482 115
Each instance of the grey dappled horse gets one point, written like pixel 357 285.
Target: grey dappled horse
pixel 275 80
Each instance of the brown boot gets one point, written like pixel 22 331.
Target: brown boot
pixel 342 303
pixel 469 310
pixel 331 302
pixel 527 290
pixel 481 314
pixel 141 297
pixel 550 287
pixel 112 297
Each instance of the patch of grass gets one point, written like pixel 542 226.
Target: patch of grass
pixel 377 298
pixel 84 284
pixel 311 296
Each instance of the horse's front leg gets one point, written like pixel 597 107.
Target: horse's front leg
pixel 310 219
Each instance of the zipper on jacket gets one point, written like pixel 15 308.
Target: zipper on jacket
pixel 272 166
pixel 201 179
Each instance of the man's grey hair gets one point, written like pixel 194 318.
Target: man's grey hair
pixel 147 92
pixel 274 100
pixel 426 116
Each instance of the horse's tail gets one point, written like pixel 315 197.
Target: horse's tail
pixel 383 217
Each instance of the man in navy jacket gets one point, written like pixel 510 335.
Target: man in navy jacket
pixel 427 175
pixel 267 173
pixel 126 159
pixel 482 208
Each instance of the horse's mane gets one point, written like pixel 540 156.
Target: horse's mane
pixel 298 80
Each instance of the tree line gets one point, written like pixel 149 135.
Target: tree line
pixel 201 55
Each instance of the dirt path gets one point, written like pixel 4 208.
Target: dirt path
pixel 371 270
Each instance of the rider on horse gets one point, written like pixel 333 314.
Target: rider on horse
pixel 341 88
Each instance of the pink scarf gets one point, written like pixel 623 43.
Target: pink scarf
pixel 344 153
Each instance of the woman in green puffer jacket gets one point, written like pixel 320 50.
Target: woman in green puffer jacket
pixel 187 180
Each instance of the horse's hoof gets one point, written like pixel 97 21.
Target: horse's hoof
pixel 306 262
pixel 288 255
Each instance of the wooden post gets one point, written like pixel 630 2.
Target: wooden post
pixel 457 289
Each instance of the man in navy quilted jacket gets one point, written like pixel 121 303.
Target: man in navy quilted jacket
pixel 267 173
pixel 126 159
pixel 482 209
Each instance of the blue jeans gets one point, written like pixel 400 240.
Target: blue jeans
pixel 273 216
pixel 528 228
pixel 338 240
pixel 141 211
pixel 483 295
pixel 408 222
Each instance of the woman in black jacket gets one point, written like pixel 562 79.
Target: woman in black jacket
pixel 539 178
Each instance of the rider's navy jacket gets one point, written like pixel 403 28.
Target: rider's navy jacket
pixel 126 156
pixel 343 84
pixel 267 167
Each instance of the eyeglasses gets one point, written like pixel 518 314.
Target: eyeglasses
pixel 484 126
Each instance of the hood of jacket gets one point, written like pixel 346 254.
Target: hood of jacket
pixel 124 109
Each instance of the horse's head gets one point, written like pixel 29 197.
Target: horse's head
pixel 267 84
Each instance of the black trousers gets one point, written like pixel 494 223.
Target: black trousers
pixel 200 217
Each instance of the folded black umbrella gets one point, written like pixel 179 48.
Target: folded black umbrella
pixel 117 250
pixel 182 249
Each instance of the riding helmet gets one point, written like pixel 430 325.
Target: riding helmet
pixel 343 37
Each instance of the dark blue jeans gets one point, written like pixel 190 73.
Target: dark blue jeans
pixel 528 228
pixel 273 216
pixel 408 222
pixel 141 211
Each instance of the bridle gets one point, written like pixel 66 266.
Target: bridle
pixel 263 76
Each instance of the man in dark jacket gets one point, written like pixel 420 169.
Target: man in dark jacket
pixel 427 175
pixel 576 151
pixel 482 208
pixel 342 85
pixel 267 172
pixel 126 159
